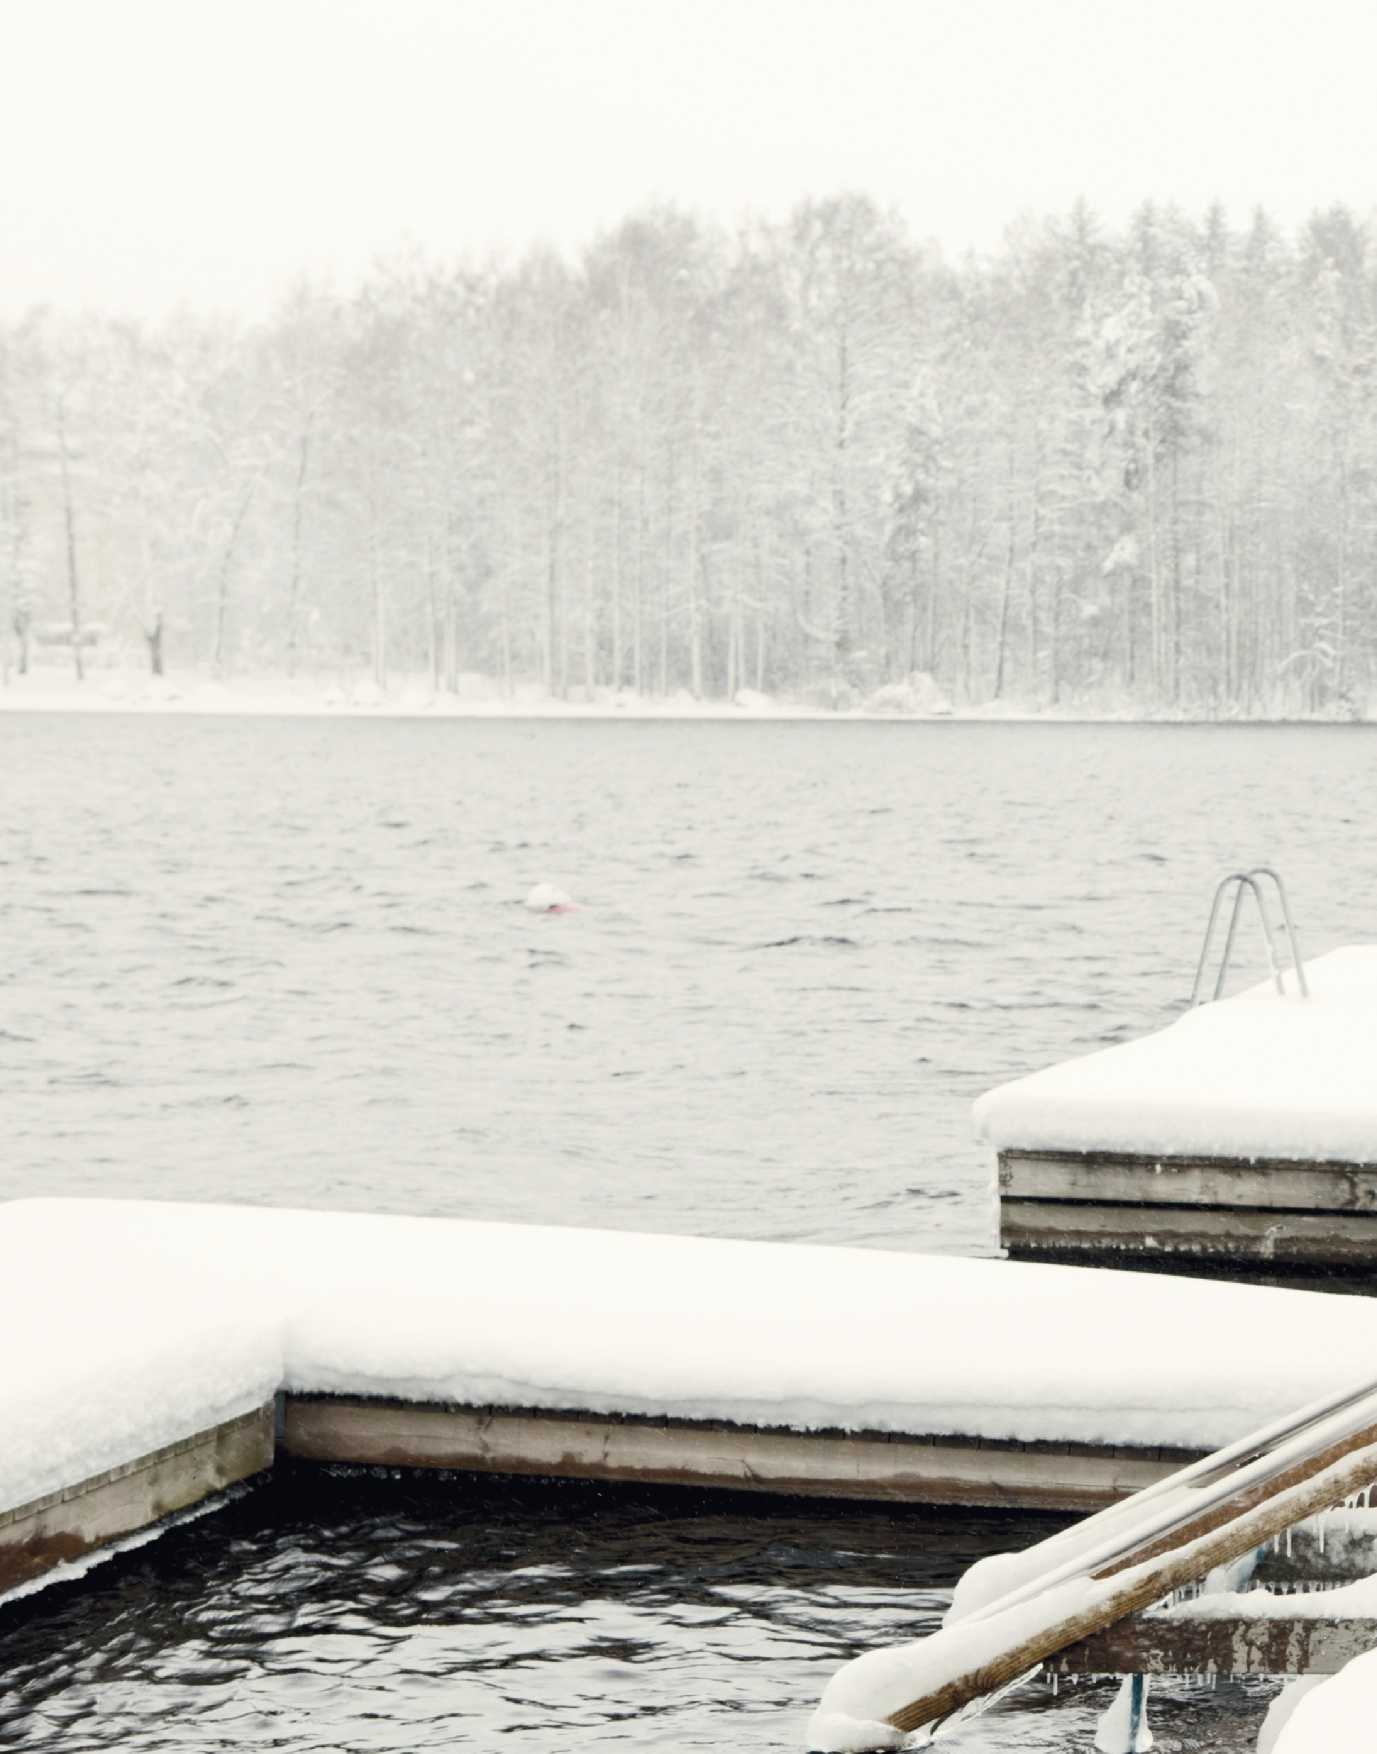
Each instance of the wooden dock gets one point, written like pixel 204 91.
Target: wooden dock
pixel 858 1466
pixel 1279 1221
pixel 963 1360
pixel 67 1525
pixel 37 1537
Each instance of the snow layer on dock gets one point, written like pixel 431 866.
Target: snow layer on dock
pixel 114 1345
pixel 1256 1076
pixel 146 1322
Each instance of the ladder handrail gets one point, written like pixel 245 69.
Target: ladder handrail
pixel 1211 1512
pixel 1245 882
pixel 1223 1463
pixel 1292 939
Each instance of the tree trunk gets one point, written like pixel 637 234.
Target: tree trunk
pixel 1176 596
pixel 294 577
pixel 1007 586
pixel 154 637
pixel 617 579
pixel 435 621
pixel 841 519
pixel 450 569
pixel 667 575
pixel 451 635
pixel 693 577
pixel 638 591
pixel 763 549
pixel 375 582
pixel 1340 685
pixel 1156 648
pixel 934 593
pixel 222 589
pixel 73 577
pixel 18 614
pixel 590 619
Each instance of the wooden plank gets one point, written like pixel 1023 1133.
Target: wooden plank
pixel 1157 1644
pixel 1342 1240
pixel 578 1446
pixel 1106 1178
pixel 62 1526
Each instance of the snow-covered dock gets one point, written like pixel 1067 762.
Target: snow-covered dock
pixel 161 1336
pixel 1240 1139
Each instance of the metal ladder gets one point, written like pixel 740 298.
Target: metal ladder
pixel 1242 883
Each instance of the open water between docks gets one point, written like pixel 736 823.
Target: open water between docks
pixel 344 1613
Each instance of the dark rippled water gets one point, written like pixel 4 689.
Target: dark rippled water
pixel 327 1613
pixel 286 961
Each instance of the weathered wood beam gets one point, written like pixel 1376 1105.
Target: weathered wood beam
pixel 581 1446
pixel 1107 1178
pixel 62 1526
pixel 1261 1238
pixel 1159 1644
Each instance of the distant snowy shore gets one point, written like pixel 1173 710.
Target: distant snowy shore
pixel 482 697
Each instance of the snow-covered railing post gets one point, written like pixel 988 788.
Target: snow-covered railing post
pixel 1123 1729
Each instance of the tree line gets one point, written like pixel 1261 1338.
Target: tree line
pixel 809 458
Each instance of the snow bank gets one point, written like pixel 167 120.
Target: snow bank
pixel 1253 1076
pixel 52 689
pixel 1334 1717
pixel 1282 1709
pixel 144 1322
pixel 917 696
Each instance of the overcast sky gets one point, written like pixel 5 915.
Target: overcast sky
pixel 153 151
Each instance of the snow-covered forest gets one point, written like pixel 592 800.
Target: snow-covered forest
pixel 809 458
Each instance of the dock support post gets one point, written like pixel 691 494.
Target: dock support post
pixel 1124 1727
pixel 1139 1735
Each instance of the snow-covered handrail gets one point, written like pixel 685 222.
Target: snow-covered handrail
pixel 1107 1567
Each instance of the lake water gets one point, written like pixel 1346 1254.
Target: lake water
pixel 287 961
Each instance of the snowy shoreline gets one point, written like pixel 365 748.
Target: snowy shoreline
pixel 481 697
